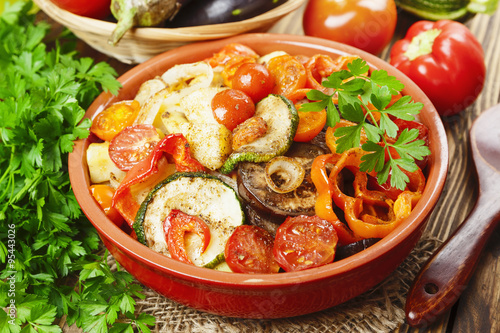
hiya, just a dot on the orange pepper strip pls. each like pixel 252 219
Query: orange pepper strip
pixel 175 145
pixel 323 206
pixel 369 226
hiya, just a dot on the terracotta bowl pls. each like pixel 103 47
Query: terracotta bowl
pixel 262 296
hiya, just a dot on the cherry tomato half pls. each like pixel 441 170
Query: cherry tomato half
pixel 289 74
pixel 254 80
pixel 231 107
pixel 132 145
pixel 176 225
pixel 310 125
pixel 304 242
pixel 249 249
pixel 112 120
pixel 368 25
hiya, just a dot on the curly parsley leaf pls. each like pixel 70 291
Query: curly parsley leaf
pixel 44 92
pixel 365 99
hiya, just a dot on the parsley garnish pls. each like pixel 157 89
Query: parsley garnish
pixel 49 266
pixel 354 89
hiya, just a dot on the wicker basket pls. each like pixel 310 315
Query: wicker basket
pixel 141 44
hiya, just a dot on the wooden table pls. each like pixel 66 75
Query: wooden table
pixel 479 306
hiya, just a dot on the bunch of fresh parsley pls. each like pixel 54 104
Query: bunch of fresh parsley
pixel 49 264
pixel 354 90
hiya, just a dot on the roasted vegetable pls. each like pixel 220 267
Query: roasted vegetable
pixel 144 13
pixel 195 194
pixel 203 12
pixel 253 188
pixel 282 119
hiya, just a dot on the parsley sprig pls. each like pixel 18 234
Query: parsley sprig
pixel 50 267
pixel 354 90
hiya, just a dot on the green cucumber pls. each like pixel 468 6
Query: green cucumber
pixel 447 9
pixel 282 120
pixel 194 193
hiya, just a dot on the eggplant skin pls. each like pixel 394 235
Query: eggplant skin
pixel 348 250
pixel 204 12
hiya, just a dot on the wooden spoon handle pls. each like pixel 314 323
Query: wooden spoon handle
pixel 446 274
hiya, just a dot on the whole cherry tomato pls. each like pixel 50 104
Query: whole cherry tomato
pixel 98 9
pixel 249 249
pixel 366 24
pixel 115 118
pixel 254 80
pixel 445 60
pixel 304 242
pixel 231 107
pixel 132 145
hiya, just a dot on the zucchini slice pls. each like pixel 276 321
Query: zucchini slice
pixel 193 193
pixel 282 120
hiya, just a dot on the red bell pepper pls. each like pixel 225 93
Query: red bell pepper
pixel 176 146
pixel 445 60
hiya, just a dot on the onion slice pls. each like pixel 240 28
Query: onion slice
pixel 284 174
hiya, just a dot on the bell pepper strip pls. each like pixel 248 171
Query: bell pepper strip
pixel 323 206
pixel 366 225
pixel 445 60
pixel 177 147
pixel 370 197
pixel 176 225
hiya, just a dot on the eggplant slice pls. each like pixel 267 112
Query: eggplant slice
pixel 253 188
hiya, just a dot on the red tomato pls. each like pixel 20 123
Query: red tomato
pixel 98 9
pixel 367 25
pixel 250 250
pixel 445 60
pixel 231 66
pixel 231 107
pixel 176 225
pixel 304 242
pixel 115 118
pixel 132 145
pixel 254 80
pixel 289 74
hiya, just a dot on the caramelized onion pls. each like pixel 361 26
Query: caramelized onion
pixel 284 174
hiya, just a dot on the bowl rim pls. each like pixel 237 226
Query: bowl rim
pixel 161 263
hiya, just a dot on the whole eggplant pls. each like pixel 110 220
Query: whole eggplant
pixel 142 13
pixel 204 12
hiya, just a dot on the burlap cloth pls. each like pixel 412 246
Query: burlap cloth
pixel 380 309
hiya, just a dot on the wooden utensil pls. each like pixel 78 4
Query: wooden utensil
pixel 446 274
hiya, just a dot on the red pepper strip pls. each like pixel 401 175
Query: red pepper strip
pixel 176 225
pixel 174 144
pixel 323 206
